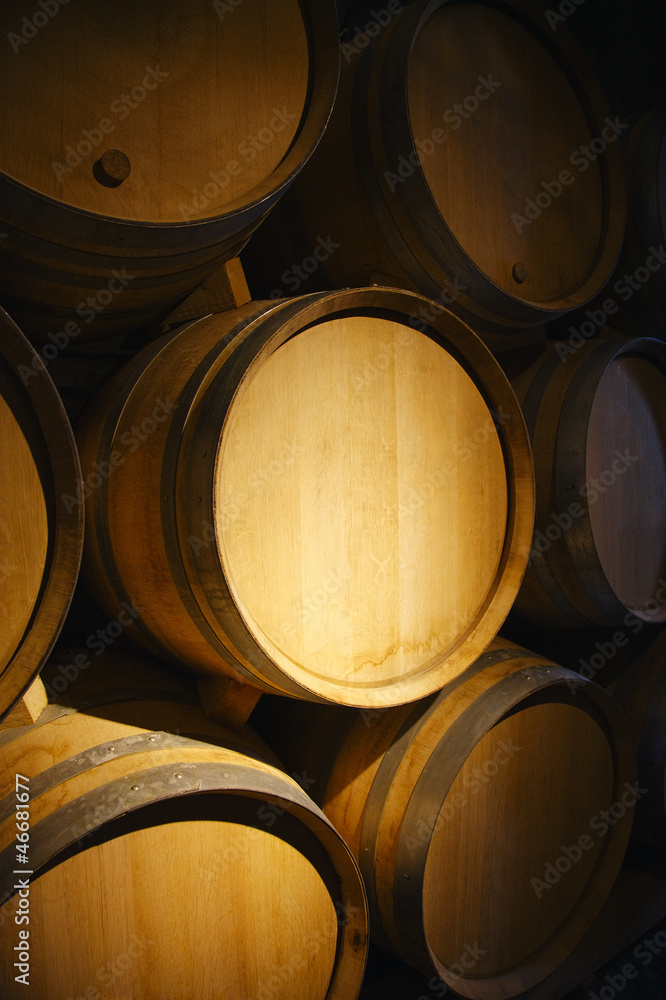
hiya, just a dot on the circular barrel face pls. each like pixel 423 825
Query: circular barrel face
pixel 626 481
pixel 159 111
pixel 361 498
pixel 178 909
pixel 516 847
pixel 24 533
pixel 488 100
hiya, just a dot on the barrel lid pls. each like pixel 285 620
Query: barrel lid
pixel 159 112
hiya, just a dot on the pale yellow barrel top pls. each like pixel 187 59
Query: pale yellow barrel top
pixel 189 94
pixel 517 125
pixel 186 909
pixel 24 533
pixel 361 502
pixel 504 821
pixel 626 481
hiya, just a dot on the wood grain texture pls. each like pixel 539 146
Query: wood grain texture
pixel 300 507
pixel 456 806
pixel 41 518
pixel 596 420
pixel 437 170
pixel 239 884
pixel 210 115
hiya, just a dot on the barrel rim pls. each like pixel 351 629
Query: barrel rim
pixel 63 485
pixel 387 140
pixel 321 26
pixel 466 347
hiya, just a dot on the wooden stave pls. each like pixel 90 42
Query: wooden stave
pixel 183 518
pixel 60 475
pixel 140 695
pixel 41 225
pixel 566 586
pixel 370 749
pixel 429 258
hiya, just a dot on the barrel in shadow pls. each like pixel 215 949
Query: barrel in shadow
pixel 596 415
pixel 466 139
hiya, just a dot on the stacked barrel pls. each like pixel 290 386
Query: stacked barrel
pixel 322 502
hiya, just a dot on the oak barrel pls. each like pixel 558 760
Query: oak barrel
pixel 466 137
pixel 41 534
pixel 596 414
pixel 312 496
pixel 167 133
pixel 167 856
pixel 489 820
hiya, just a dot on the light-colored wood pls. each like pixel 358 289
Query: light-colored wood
pixel 29 708
pixel 461 811
pixel 155 154
pixel 24 532
pixel 225 289
pixel 279 905
pixel 41 531
pixel 437 170
pixel 227 701
pixel 596 420
pixel 357 544
pixel 345 497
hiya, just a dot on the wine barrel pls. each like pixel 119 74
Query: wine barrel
pixel 479 816
pixel 641 691
pixel 312 496
pixel 168 137
pixel 182 862
pixel 596 415
pixel 41 534
pixel 436 172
